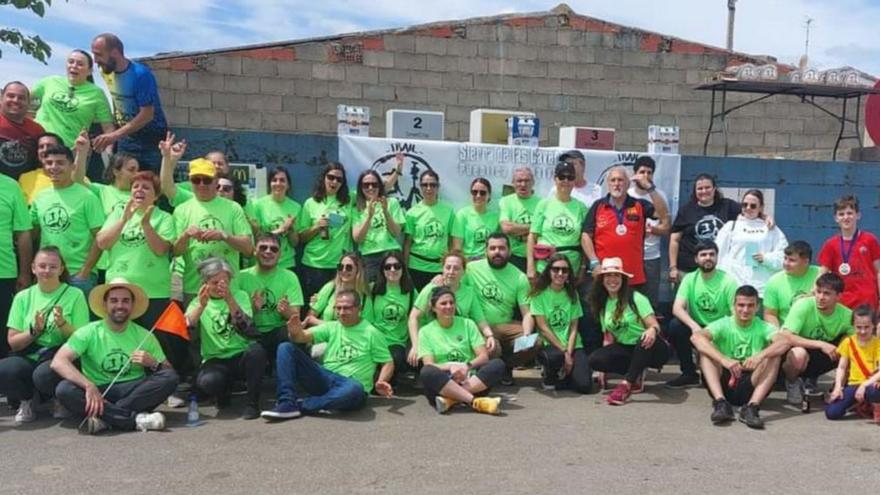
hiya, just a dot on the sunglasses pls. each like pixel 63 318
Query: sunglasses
pixel 567 177
pixel 224 188
pixel 393 266
pixel 559 269
pixel 751 206
pixel 430 185
pixel 479 192
pixel 369 185
pixel 201 181
pixel 344 267
pixel 334 178
pixel 268 247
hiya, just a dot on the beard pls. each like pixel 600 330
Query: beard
pixel 109 66
pixel 119 317
pixel 498 261
pixel 707 267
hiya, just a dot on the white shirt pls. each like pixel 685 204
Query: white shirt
pixel 652 241
pixel 739 240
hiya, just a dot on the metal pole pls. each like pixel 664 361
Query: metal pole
pixel 731 13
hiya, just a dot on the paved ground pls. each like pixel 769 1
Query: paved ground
pixel 662 442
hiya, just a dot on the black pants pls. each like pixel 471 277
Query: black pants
pixel 20 378
pixel 589 327
pixel 679 336
pixel 398 355
pixel 421 279
pixel 215 375
pixel 629 360
pixel 579 379
pixel 7 293
pixel 518 262
pixel 434 379
pixel 270 342
pixel 371 265
pixel 312 279
pixel 124 400
pixel 819 363
pixel 176 348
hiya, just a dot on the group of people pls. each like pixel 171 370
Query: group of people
pixel 349 294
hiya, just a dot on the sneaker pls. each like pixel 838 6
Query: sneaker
pixel 443 404
pixel 748 414
pixel 94 425
pixel 620 394
pixel 281 411
pixel 722 412
pixel 683 381
pixel 507 380
pixel 794 391
pixel 25 413
pixel 548 382
pixel 238 388
pixel 486 405
pixel 59 411
pixel 150 421
pixel 250 412
pixel 175 402
pixel 811 387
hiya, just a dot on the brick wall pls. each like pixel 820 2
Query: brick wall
pixel 569 69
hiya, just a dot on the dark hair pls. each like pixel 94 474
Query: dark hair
pixel 112 41
pixel 799 248
pixel 349 292
pixel 704 245
pixel 90 61
pixel 498 235
pixel 117 161
pixel 320 191
pixel 847 201
pixel 746 291
pixel 238 193
pixel 361 201
pixel 130 293
pixel 148 176
pixel 381 285
pixel 60 149
pixel 266 236
pixel 52 135
pixel 429 172
pixel 831 281
pixel 711 178
pixel 644 161
pixel 436 294
pixel 864 310
pixel 599 297
pixel 545 279
pixel 279 170
pixel 53 250
pixel 484 181
pixel 571 155
pixel 23 85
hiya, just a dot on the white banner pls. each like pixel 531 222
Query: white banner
pixel 458 164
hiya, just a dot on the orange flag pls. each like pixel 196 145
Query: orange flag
pixel 173 321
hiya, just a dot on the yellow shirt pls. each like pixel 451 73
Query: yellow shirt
pixel 33 182
pixel 870 354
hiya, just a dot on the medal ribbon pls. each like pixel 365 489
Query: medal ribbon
pixel 848 252
pixel 620 212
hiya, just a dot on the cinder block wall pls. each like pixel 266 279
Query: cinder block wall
pixel 569 69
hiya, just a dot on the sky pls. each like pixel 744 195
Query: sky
pixel 843 32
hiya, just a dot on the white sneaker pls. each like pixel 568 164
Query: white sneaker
pixel 25 413
pixel 94 425
pixel 150 421
pixel 794 392
pixel 59 411
pixel 175 402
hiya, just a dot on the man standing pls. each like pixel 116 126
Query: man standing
pixel 502 288
pixel 643 169
pixel 209 226
pixel 115 351
pixel 740 360
pixel 704 296
pixel 15 238
pixel 137 111
pixel 794 282
pixel 814 327
pixel 69 215
pixel 354 348
pixel 584 191
pixel 516 214
pixel 18 132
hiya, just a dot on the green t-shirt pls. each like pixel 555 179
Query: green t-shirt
pixel 112 199
pixel 500 291
pixel 217 214
pixel 804 319
pixel 429 228
pixel 13 218
pixel 378 238
pixel 325 253
pixel 276 285
pixel 629 329
pixel 740 343
pixel 66 110
pixel 514 209
pixel 28 302
pixel 388 312
pixel 474 229
pixel 466 304
pixel 558 224
pixel 558 311
pixel 183 193
pixel 219 337
pixel 270 215
pixel 708 300
pixel 131 258
pixel 455 344
pixel 103 352
pixel 66 218
pixel 352 351
pixel 782 290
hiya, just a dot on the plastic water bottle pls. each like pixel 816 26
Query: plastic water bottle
pixel 192 414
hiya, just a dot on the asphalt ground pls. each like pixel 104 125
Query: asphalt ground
pixel 545 442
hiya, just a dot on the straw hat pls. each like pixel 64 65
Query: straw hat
pixel 96 298
pixel 613 265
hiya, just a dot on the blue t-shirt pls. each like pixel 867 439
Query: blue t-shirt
pixel 130 90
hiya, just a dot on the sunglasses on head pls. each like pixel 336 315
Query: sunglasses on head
pixel 479 192
pixel 567 177
pixel 559 269
pixel 393 266
pixel 345 267
pixel 334 178
pixel 268 247
pixel 201 181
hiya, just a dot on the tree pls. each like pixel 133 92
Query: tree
pixel 30 45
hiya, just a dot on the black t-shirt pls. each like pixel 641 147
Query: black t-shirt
pixel 700 223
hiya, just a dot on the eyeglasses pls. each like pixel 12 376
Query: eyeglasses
pixel 268 247
pixel 369 185
pixel 479 192
pixel 201 181
pixel 430 185
pixel 345 267
pixel 224 188
pixel 393 266
pixel 750 206
pixel 559 269
pixel 334 178
pixel 567 177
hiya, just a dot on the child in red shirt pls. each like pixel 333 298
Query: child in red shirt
pixel 854 255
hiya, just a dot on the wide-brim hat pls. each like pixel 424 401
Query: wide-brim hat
pixel 96 297
pixel 613 265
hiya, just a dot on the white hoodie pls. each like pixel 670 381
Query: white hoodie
pixel 738 240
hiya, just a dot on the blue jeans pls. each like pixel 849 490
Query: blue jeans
pixel 327 390
pixel 84 284
pixel 838 408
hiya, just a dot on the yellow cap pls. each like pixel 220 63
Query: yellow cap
pixel 200 166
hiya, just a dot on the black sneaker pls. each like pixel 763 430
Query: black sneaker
pixel 748 414
pixel 683 381
pixel 250 412
pixel 507 381
pixel 722 412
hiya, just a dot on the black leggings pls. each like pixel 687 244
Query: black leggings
pixel 434 379
pixel 420 279
pixel 629 360
pixel 216 374
pixel 579 379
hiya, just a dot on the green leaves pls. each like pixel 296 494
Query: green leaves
pixel 31 45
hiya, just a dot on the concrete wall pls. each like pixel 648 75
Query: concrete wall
pixel 569 69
